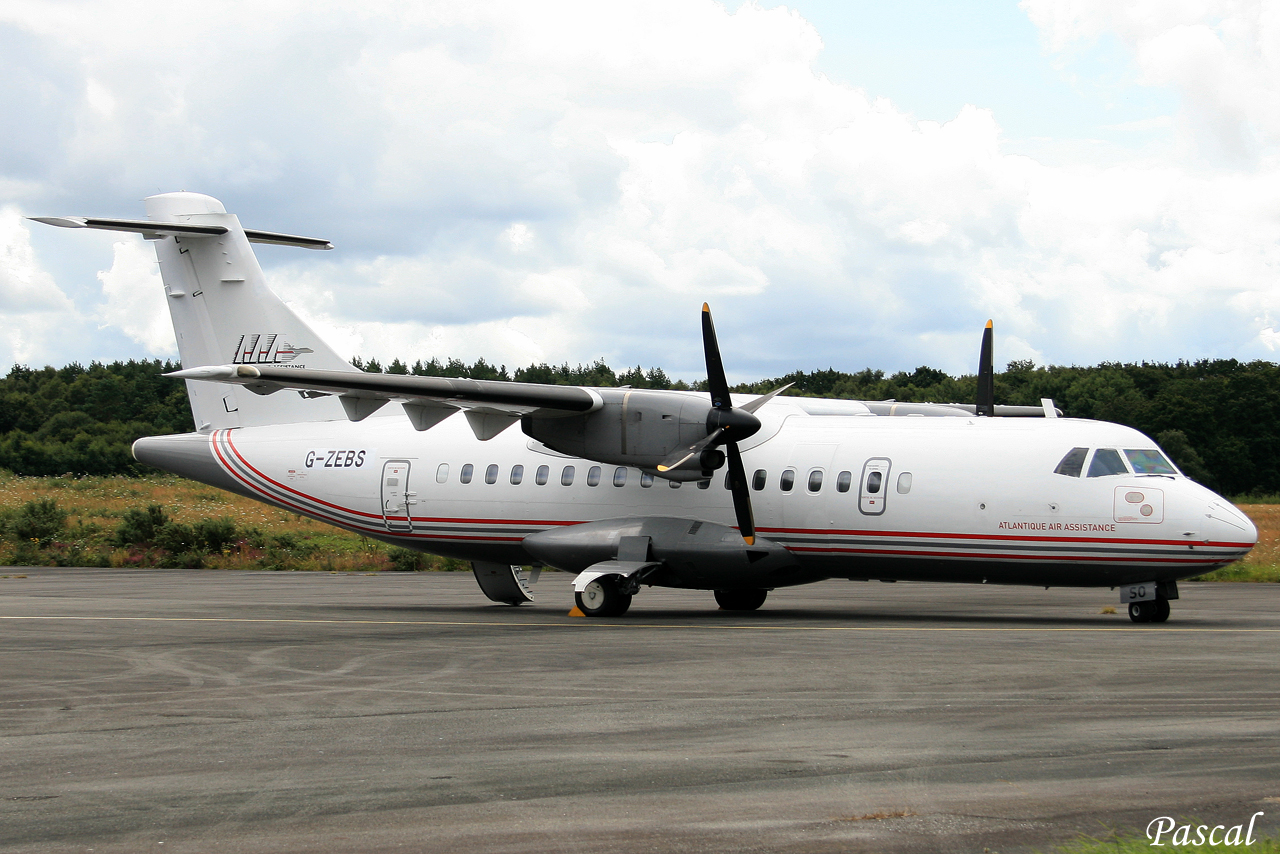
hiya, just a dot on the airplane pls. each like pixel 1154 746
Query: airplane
pixel 622 486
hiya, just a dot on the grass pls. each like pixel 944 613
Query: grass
pixel 268 538
pixel 279 539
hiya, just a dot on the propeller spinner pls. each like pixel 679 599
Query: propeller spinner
pixel 727 425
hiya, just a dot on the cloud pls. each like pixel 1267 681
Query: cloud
pixel 1221 56
pixel 566 181
pixel 134 302
pixel 33 307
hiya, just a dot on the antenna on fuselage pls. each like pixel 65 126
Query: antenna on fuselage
pixel 986 402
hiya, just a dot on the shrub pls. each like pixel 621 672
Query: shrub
pixel 214 535
pixel 175 538
pixel 139 527
pixel 406 560
pixel 41 520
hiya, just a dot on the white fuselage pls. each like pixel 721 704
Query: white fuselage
pixel 959 499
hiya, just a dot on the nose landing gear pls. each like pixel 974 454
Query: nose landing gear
pixel 1156 611
pixel 1148 602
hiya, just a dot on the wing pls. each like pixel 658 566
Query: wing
pixel 491 406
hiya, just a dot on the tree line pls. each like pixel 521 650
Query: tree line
pixel 1219 419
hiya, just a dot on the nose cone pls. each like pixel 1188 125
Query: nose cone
pixel 1226 524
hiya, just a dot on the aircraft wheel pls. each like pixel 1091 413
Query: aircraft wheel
pixel 739 599
pixel 1142 612
pixel 602 597
pixel 1161 614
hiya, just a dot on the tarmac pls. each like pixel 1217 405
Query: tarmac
pixel 200 710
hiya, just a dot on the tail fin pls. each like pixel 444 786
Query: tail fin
pixel 224 313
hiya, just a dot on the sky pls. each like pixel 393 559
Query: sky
pixel 848 184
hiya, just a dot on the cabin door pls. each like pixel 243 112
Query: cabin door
pixel 874 487
pixel 396 497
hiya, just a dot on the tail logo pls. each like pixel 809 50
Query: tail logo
pixel 270 349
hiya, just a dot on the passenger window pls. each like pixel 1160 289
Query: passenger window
pixel 1106 462
pixel 1149 462
pixel 1073 463
pixel 874 480
pixel 904 483
pixel 593 476
pixel 467 471
pixel 815 480
pixel 646 480
pixel 491 474
pixel 787 480
pixel 704 484
pixel 620 476
pixel 758 479
pixel 566 476
pixel 517 475
pixel 442 473
pixel 843 481
pixel 541 477
pixel 674 484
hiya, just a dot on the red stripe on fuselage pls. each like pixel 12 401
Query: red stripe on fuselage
pixel 794 548
pixel 1003 537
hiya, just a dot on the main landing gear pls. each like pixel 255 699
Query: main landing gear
pixel 1149 612
pixel 738 599
pixel 603 597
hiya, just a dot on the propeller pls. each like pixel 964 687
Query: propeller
pixel 986 403
pixel 727 425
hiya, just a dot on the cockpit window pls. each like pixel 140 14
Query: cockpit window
pixel 1106 461
pixel 1073 463
pixel 1149 462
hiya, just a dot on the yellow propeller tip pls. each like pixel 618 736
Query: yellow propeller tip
pixel 988 324
pixel 751 541
pixel 706 307
pixel 662 468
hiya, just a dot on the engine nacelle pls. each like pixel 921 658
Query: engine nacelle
pixel 634 427
pixel 696 554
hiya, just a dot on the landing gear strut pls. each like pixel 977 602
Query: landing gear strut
pixel 603 597
pixel 1156 611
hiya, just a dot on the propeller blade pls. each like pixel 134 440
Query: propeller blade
pixel 716 383
pixel 724 419
pixel 688 452
pixel 741 494
pixel 757 402
pixel 986 404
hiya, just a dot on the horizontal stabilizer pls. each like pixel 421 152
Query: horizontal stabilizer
pixel 155 230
